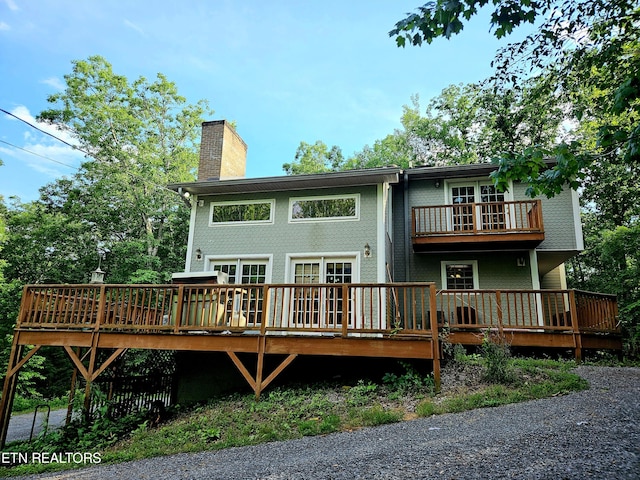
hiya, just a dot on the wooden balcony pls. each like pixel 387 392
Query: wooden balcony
pixel 391 320
pixel 478 225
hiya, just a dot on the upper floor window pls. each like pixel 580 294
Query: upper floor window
pixel 225 213
pixel 460 275
pixel 334 207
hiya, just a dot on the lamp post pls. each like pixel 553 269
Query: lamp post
pixel 97 276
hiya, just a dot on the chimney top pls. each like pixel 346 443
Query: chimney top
pixel 223 153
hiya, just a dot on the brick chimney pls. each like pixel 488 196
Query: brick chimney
pixel 223 154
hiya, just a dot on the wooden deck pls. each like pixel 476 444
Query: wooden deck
pixel 484 225
pixel 360 320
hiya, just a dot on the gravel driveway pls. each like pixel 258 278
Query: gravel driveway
pixel 591 434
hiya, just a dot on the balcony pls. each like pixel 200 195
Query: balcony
pixel 481 226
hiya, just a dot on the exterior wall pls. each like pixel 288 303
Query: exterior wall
pixel 494 272
pixel 282 238
pixel 562 232
pixel 555 280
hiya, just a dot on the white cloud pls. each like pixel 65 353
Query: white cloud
pixel 54 82
pixel 135 27
pixel 4 26
pixel 23 113
pixel 11 5
pixel 43 153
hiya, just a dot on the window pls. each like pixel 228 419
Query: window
pixel 225 213
pixel 460 275
pixel 324 208
pixel 245 271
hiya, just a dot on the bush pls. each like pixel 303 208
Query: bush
pixel 496 354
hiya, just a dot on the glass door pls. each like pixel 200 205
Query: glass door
pixel 478 207
pixel 316 306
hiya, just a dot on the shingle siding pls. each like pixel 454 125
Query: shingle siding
pixel 558 216
pixel 282 237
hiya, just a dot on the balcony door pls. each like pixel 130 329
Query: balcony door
pixel 321 306
pixel 477 206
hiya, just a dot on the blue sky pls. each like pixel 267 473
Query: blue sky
pixel 285 71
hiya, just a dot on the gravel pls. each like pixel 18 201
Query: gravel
pixel 590 434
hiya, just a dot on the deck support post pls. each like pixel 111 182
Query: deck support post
pixel 261 347
pixel 577 336
pixel 435 337
pixel 89 373
pixel 258 384
pixel 9 389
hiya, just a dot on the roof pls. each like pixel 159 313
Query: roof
pixel 348 178
pixel 451 171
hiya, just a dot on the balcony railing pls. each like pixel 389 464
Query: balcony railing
pixel 492 221
pixel 333 309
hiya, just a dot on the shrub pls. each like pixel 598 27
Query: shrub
pixel 496 354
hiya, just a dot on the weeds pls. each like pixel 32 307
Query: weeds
pixel 410 382
pixel 294 412
pixel 496 354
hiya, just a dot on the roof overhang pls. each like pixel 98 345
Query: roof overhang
pixel 349 178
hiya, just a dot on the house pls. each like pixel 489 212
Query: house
pixel 377 263
pixel 446 225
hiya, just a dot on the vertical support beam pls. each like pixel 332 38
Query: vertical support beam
pixel 94 351
pixel 346 307
pixel 499 311
pixel 9 388
pixel 177 321
pixel 262 340
pixel 72 389
pixel 435 339
pixel 577 336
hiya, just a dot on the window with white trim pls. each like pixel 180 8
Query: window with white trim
pixel 242 212
pixel 460 275
pixel 327 208
pixel 245 271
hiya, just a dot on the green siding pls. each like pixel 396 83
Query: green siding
pixel 495 271
pixel 282 238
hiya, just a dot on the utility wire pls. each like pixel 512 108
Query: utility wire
pixel 38 155
pixel 140 177
pixel 75 147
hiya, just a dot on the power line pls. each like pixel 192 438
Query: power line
pixel 38 155
pixel 135 175
pixel 75 147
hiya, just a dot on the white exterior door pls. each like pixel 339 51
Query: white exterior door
pixel 320 306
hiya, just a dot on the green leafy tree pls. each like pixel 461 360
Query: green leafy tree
pixel 394 149
pixel 579 49
pixel 140 136
pixel 316 158
pixel 466 124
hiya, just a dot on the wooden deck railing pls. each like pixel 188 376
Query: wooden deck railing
pixel 335 309
pixel 341 309
pixel 597 312
pixel 478 218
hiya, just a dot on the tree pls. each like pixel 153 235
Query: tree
pixel 316 158
pixel 466 124
pixel 139 136
pixel 582 50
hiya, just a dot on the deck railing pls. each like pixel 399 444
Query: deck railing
pixel 517 309
pixel 478 218
pixel 597 312
pixel 342 309
pixel 334 309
